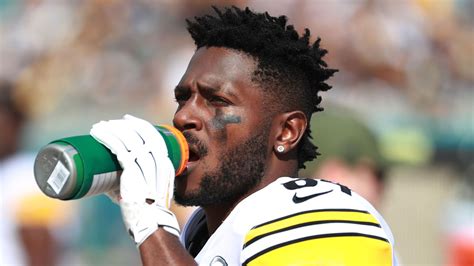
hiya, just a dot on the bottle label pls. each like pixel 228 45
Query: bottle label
pixel 103 182
pixel 58 177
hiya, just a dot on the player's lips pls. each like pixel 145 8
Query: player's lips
pixel 197 150
pixel 193 157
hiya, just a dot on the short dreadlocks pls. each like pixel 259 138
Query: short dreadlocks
pixel 289 68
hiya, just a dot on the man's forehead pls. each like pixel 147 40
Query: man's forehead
pixel 218 64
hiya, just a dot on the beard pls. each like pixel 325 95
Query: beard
pixel 240 170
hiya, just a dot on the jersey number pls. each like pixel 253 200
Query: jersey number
pixel 308 182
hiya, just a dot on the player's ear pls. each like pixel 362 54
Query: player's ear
pixel 290 130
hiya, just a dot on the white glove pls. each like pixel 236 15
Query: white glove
pixel 147 180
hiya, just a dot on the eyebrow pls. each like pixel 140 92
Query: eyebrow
pixel 207 89
pixel 204 89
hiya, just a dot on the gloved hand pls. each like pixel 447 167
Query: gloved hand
pixel 147 180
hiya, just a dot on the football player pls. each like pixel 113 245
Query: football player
pixel 244 106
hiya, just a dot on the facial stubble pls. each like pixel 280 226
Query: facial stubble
pixel 240 170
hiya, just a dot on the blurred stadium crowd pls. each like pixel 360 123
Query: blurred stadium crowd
pixel 406 73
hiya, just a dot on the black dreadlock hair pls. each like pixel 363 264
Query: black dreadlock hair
pixel 288 66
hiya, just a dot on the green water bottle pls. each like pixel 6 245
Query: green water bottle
pixel 76 167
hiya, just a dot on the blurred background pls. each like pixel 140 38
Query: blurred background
pixel 398 126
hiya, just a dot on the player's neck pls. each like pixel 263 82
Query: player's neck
pixel 216 214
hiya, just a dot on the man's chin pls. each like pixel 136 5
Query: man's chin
pixel 185 189
pixel 185 200
pixel 180 190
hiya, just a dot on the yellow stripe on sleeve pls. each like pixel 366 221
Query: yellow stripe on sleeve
pixel 342 250
pixel 310 217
